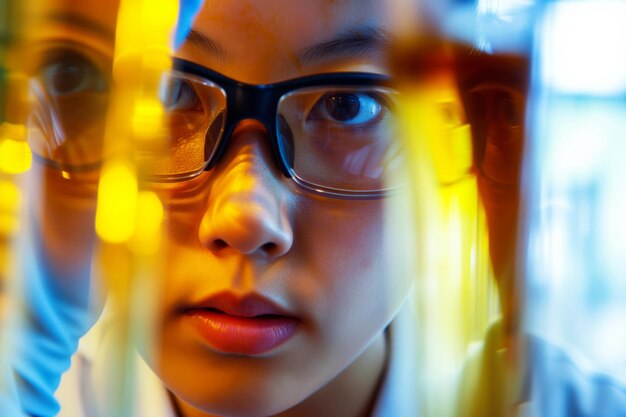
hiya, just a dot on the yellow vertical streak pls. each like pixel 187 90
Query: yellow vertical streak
pixel 454 292
pixel 129 217
pixel 15 154
pixel 10 206
pixel 15 161
pixel 148 225
pixel 117 199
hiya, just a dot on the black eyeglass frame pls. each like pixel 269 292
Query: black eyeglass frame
pixel 260 102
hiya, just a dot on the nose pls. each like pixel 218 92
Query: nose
pixel 247 209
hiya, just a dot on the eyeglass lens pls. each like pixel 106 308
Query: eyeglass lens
pixel 336 137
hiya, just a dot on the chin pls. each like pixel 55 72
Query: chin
pixel 230 386
pixel 237 403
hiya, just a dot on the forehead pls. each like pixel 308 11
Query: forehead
pixel 102 12
pixel 89 22
pixel 262 41
pixel 282 17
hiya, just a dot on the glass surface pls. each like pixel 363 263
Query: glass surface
pixel 195 114
pixel 341 138
pixel 68 123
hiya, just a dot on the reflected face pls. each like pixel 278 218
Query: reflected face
pixel 494 90
pixel 304 278
pixel 69 58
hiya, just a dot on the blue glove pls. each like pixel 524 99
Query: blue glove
pixel 56 316
pixel 9 403
pixel 186 15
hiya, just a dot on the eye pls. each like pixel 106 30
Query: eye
pixel 67 72
pixel 179 95
pixel 347 108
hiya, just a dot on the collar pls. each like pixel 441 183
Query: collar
pixel 398 395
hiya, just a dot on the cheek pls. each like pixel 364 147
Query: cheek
pixel 356 273
pixel 341 239
pixel 185 203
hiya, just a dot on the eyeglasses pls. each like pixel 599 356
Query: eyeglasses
pixel 334 134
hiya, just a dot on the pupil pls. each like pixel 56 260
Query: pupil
pixel 68 78
pixel 343 107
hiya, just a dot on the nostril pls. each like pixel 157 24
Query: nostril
pixel 219 244
pixel 269 247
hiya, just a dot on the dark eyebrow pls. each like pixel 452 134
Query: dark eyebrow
pixel 206 44
pixel 355 42
pixel 82 22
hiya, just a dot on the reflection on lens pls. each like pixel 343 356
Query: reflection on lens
pixel 195 110
pixel 213 134
pixel 68 121
pixel 341 139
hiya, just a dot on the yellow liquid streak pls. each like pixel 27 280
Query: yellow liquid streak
pixel 117 201
pixel 15 154
pixel 128 217
pixel 455 293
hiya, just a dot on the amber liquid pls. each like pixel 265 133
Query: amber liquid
pixel 492 87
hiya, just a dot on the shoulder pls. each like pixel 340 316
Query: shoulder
pixel 559 382
pixel 551 383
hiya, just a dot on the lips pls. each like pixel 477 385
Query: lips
pixel 249 325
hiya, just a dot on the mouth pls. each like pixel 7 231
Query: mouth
pixel 249 325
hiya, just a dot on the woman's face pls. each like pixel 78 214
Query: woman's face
pixel 243 229
pixel 271 292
